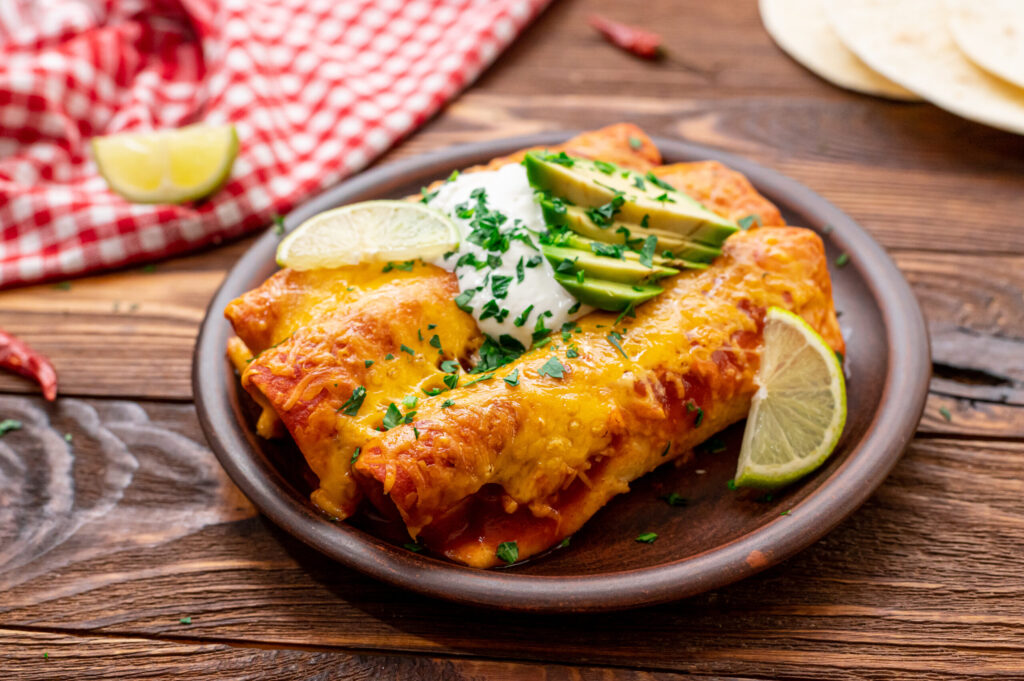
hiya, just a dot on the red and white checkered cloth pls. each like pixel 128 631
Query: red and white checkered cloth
pixel 316 89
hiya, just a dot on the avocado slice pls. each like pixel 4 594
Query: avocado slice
pixel 575 218
pixel 596 184
pixel 604 267
pixel 607 295
pixel 584 244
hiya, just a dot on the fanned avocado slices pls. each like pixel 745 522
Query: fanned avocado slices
pixel 607 192
pixel 557 214
pixel 568 261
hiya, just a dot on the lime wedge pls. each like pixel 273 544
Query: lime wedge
pixel 371 231
pixel 799 410
pixel 167 166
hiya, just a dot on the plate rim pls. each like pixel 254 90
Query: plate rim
pixel 865 468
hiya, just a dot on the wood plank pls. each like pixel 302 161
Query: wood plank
pixel 43 656
pixel 132 334
pixel 133 525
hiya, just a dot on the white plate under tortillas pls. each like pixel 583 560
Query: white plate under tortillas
pixel 800 28
pixel 991 34
pixel 909 42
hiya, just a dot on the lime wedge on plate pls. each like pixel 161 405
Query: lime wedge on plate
pixel 371 231
pixel 167 166
pixel 799 410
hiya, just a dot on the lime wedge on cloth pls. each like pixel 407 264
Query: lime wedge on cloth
pixel 167 166
pixel 371 231
pixel 799 410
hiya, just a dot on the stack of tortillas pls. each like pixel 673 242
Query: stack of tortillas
pixel 966 56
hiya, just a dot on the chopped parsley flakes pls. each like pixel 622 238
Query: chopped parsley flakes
pixel 647 537
pixel 513 378
pixel 508 551
pixel 353 403
pixel 553 368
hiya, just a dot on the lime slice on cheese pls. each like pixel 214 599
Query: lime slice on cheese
pixel 799 410
pixel 167 166
pixel 371 231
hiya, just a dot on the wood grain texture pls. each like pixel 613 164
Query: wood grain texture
pixel 106 541
pixel 44 656
pixel 142 528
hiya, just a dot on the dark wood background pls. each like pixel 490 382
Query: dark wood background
pixel 109 540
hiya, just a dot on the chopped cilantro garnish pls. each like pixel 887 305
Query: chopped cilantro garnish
pixel 731 483
pixel 942 410
pixel 635 142
pixel 842 260
pixel 389 356
pixel 279 225
pixel 392 417
pixel 534 261
pixel 647 537
pixel 639 183
pixel 561 158
pixel 645 221
pixel 647 252
pixel 658 182
pixel 691 406
pixel 664 198
pixel 572 352
pixel 368 363
pixel 714 446
pixel 447 403
pixel 673 499
pixel 492 309
pixel 355 455
pixel 668 446
pixel 523 316
pixel 419 334
pixel 435 341
pixel 513 378
pixel 409 401
pixel 567 266
pixel 431 327
pixel 67 437
pixel 616 339
pixel 553 368
pixel 412 546
pixel 499 285
pixel 451 380
pixel 629 311
pixel 432 391
pixel 454 176
pixel 700 417
pixel 747 221
pixel 603 215
pixel 564 543
pixel 580 276
pixel 354 402
pixel 450 366
pixel 605 167
pixel 7 425
pixel 608 250
pixel 508 551
pixel 494 354
pixel 485 377
pixel 427 197
pixel 416 432
pixel 185 620
pixel 576 307
pixel 462 300
pixel 520 270
pixel 406 348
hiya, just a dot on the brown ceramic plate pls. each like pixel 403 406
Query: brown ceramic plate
pixel 721 536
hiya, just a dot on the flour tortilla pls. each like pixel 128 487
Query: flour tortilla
pixel 800 28
pixel 991 34
pixel 909 42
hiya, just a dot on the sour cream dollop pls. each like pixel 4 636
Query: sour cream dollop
pixel 504 280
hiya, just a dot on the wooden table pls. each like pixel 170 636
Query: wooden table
pixel 111 540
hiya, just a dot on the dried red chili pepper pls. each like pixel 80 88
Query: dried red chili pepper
pixel 636 41
pixel 21 359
